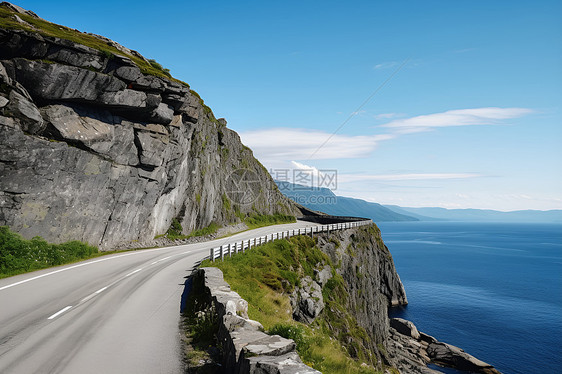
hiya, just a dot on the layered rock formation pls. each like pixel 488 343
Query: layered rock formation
pixel 94 149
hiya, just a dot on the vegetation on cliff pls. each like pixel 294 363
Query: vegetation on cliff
pixel 32 23
pixel 18 255
pixel 266 275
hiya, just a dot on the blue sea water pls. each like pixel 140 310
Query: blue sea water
pixel 493 289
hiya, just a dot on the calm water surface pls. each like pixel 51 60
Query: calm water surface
pixel 493 289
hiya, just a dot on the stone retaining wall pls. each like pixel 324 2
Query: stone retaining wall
pixel 245 347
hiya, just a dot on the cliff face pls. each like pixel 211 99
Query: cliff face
pixel 372 286
pixel 94 149
pixel 371 280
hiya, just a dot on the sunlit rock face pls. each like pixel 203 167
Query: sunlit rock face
pixel 92 149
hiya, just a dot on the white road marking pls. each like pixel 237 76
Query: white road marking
pixel 60 312
pixel 101 290
pixel 119 256
pixel 162 259
pixel 133 272
pixel 80 265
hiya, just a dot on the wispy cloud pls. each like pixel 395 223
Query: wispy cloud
pixel 459 117
pixel 299 144
pixel 406 176
pixel 387 115
pixel 386 65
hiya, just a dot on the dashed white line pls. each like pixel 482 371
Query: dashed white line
pixel 101 290
pixel 162 259
pixel 60 312
pixel 133 272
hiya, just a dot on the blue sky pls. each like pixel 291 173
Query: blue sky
pixel 471 115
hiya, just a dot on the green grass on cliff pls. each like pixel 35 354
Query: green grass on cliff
pixel 18 255
pixel 45 28
pixel 265 276
pixel 255 221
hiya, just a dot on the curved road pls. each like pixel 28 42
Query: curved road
pixel 117 314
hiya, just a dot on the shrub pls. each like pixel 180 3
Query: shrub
pixel 292 331
pixel 19 255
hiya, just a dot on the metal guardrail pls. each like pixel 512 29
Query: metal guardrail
pixel 236 247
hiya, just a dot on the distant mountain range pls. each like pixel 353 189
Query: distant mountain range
pixel 482 215
pixel 324 200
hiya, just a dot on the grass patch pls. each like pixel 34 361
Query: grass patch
pixel 46 28
pixel 255 221
pixel 265 275
pixel 175 231
pixel 19 255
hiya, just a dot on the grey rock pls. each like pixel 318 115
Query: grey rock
pixel 70 126
pixel 245 347
pixel 405 327
pixel 451 356
pixel 152 148
pixel 128 73
pixel 322 276
pixel 269 345
pixel 75 56
pixel 26 112
pixel 46 81
pixel 124 99
pixel 18 9
pixel 307 300
pixel 162 114
pixel 99 157
pixel 289 363
pixel 149 83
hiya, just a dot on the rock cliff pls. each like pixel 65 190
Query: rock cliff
pixel 372 286
pixel 99 144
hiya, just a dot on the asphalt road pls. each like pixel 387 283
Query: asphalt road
pixel 117 314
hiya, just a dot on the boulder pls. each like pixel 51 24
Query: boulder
pixel 128 73
pixel 322 276
pixel 405 327
pixel 26 112
pixel 289 363
pixel 162 114
pixel 307 301
pixel 451 356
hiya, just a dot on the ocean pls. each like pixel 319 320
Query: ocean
pixel 492 289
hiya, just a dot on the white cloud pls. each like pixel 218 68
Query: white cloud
pixel 284 144
pixel 460 117
pixel 301 144
pixel 387 115
pixel 347 178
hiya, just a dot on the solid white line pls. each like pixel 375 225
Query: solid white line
pixel 133 272
pixel 65 269
pixel 60 312
pixel 212 242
